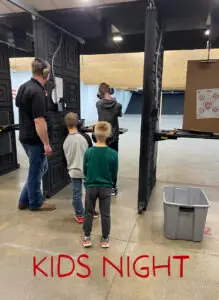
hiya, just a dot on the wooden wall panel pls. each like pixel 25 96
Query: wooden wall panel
pixel 125 70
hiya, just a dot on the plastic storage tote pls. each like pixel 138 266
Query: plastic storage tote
pixel 185 212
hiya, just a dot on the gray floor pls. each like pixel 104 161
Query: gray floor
pixel 26 234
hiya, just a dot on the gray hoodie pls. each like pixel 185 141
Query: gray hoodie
pixel 109 111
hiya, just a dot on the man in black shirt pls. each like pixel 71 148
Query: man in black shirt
pixel 109 110
pixel 33 135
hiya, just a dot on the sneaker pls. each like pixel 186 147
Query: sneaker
pixel 105 243
pixel 114 192
pixel 86 241
pixel 96 215
pixel 79 220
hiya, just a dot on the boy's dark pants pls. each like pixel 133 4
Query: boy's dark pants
pixel 104 195
pixel 115 146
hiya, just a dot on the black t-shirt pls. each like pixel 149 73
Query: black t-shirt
pixel 87 138
pixel 30 100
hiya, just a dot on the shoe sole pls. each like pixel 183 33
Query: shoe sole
pixel 47 209
pixel 114 194
pixel 86 245
pixel 79 222
pixel 104 246
pixel 22 208
pixel 44 209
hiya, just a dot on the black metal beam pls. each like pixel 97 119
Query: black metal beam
pixel 36 14
pixel 164 135
pixel 215 24
pixel 146 140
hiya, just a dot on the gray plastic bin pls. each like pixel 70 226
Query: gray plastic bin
pixel 185 212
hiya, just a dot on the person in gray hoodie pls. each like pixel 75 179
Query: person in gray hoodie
pixel 110 110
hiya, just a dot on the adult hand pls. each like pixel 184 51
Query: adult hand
pixel 47 150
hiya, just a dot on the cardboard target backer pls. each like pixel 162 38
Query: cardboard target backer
pixel 201 105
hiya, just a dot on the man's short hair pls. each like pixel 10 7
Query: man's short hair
pixel 102 130
pixel 71 120
pixel 38 66
pixel 103 88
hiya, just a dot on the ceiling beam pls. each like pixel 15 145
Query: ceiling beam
pixel 36 14
pixel 182 24
pixel 15 38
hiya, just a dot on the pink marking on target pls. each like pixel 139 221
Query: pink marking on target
pixel 215 109
pixel 201 110
pixel 208 104
pixel 201 97
pixel 215 96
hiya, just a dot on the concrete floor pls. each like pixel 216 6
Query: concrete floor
pixel 25 234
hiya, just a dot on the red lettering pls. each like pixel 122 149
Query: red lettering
pixel 36 266
pixel 106 260
pixel 161 266
pixel 63 256
pixel 128 266
pixel 142 268
pixel 52 266
pixel 84 266
pixel 181 258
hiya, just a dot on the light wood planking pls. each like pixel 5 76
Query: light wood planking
pixel 126 70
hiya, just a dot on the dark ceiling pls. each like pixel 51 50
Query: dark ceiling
pixel 184 21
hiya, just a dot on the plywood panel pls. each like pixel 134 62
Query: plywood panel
pixel 6 7
pixel 126 70
pixel 21 64
pixel 175 66
pixel 79 3
pixel 201 76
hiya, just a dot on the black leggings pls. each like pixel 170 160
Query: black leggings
pixel 115 146
pixel 104 195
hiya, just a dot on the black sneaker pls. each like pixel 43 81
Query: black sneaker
pixel 105 243
pixel 114 191
pixel 86 241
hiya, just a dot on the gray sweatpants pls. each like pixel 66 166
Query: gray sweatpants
pixel 104 195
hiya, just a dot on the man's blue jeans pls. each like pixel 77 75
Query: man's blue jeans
pixel 77 196
pixel 31 195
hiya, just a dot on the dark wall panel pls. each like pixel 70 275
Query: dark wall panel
pixel 8 153
pixel 135 103
pixel 67 66
pixel 173 104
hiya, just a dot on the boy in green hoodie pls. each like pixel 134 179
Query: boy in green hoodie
pixel 110 110
pixel 100 170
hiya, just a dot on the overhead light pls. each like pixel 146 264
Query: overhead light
pixel 117 38
pixel 207 32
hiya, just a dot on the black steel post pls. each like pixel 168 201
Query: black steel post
pixel 148 122
pixel 8 150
